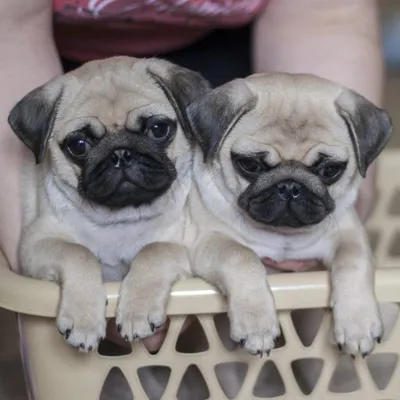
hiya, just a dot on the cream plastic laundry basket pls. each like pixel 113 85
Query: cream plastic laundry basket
pixel 59 372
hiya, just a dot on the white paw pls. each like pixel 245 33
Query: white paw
pixel 81 317
pixel 140 311
pixel 254 322
pixel 357 324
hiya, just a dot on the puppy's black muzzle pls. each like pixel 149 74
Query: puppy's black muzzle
pixel 288 203
pixel 126 170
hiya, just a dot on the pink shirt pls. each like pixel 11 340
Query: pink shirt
pixel 88 29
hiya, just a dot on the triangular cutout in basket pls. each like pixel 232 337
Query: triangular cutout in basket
pixel 154 380
pixel 116 386
pixel 307 323
pixel 193 386
pixel 269 382
pixel 192 338
pixel 381 367
pixel 307 372
pixel 238 370
pixel 344 378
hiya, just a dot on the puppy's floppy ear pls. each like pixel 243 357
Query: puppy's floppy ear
pixel 214 115
pixel 370 127
pixel 180 85
pixel 32 118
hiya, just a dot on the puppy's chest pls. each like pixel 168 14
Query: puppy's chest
pixel 117 244
pixel 281 248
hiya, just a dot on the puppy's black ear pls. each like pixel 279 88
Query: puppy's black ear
pixel 32 118
pixel 370 127
pixel 180 85
pixel 214 115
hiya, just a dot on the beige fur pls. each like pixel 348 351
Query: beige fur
pixel 77 243
pixel 291 118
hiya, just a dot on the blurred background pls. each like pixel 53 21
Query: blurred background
pixel 11 376
pixel 390 15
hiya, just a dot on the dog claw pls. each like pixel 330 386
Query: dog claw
pixel 268 352
pixel 242 343
pixel 119 328
pixel 378 340
pixel 152 327
pixel 135 336
pixel 339 346
pixel 126 338
pixel 67 333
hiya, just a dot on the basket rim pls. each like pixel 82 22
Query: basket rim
pixel 192 296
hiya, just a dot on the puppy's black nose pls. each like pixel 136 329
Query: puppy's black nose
pixel 122 158
pixel 289 189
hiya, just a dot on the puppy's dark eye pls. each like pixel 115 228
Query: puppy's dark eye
pixel 159 131
pixel 249 166
pixel 78 147
pixel 331 173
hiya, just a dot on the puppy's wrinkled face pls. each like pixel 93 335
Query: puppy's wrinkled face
pixel 120 137
pixel 291 160
pixel 290 151
pixel 113 129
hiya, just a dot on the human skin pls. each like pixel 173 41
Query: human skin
pixel 338 40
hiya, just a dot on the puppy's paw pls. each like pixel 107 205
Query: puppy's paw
pixel 357 324
pixel 81 317
pixel 254 323
pixel 140 312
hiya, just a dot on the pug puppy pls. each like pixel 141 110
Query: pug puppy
pixel 112 175
pixel 278 165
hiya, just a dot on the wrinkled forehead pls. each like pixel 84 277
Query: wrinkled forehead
pixel 114 99
pixel 292 128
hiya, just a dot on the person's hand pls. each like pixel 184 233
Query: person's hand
pixel 152 343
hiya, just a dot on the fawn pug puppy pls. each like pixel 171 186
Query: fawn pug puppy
pixel 112 175
pixel 278 165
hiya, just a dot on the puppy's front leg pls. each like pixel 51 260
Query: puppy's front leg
pixel 239 274
pixel 356 318
pixel 146 289
pixel 81 315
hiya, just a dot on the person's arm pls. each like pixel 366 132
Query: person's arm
pixel 28 58
pixel 338 40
